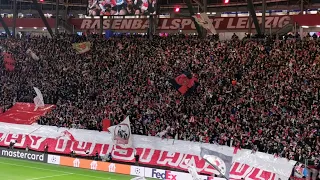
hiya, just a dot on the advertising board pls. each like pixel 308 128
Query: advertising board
pixel 22 154
pixel 122 169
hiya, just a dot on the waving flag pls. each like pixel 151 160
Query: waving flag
pixel 185 83
pixel 38 100
pixel 192 170
pixel 204 21
pixel 9 61
pixel 121 133
pixel 300 171
pixel 32 55
pixel 219 161
pixel 82 47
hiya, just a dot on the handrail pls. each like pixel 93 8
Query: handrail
pixel 67 26
pixel 284 28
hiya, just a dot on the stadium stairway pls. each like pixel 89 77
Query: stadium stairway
pixel 284 30
pixel 67 26
pixel 24 113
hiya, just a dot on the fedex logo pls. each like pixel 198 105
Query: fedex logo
pixel 165 175
pixel 170 176
pixel 156 173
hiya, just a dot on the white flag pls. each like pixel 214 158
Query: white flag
pixel 192 170
pixel 38 100
pixel 32 54
pixel 204 21
pixel 121 133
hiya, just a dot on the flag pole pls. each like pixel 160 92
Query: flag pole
pixel 217 168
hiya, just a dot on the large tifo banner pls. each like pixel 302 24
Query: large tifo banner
pixel 152 150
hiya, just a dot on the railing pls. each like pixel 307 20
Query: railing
pixel 284 30
pixel 68 27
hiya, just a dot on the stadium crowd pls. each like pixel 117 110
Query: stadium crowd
pixel 260 95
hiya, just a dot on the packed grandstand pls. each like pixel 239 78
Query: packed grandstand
pixel 252 94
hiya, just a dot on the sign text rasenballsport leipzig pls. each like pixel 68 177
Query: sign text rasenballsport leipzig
pixel 164 24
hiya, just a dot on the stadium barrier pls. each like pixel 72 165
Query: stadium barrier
pixel 152 150
pixel 122 168
pixel 22 154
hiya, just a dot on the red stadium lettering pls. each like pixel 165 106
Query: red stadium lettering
pixel 14 137
pixel 175 24
pixel 186 23
pixel 231 24
pixel 116 23
pixel 34 142
pixel 146 154
pixel 123 153
pixel 62 145
pixel 86 24
pixel 239 171
pixel 2 138
pixel 95 24
pixel 170 158
pixel 126 24
pixel 219 23
pixel 102 149
pixel 269 21
pixel 81 147
pixel 283 21
pixel 258 174
pixel 163 25
pixel 242 23
pixel 137 24
pixel 198 162
pixel 106 24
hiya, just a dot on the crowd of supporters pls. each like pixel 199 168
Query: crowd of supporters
pixel 260 95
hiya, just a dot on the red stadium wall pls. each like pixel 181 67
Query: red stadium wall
pixel 222 24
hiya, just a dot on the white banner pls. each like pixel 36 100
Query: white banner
pixel 121 133
pixel 152 149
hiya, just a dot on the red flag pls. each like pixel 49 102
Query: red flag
pixel 106 123
pixel 236 148
pixel 9 61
